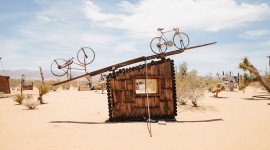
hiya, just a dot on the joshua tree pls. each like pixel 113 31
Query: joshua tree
pixel 43 89
pixel 217 88
pixel 255 76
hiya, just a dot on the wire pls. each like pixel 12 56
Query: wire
pixel 148 107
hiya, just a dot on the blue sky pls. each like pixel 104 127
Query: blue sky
pixel 35 32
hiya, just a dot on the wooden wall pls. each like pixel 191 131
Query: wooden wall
pixel 4 84
pixel 28 86
pixel 125 104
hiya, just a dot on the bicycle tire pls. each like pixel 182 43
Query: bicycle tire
pixel 56 69
pixel 86 55
pixel 181 40
pixel 158 45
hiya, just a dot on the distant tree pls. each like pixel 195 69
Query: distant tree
pixel 254 74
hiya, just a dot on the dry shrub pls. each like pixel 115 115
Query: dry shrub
pixel 19 98
pixel 189 86
pixel 2 95
pixel 66 86
pixel 43 89
pixel 30 103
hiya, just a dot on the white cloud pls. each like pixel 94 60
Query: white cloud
pixel 253 34
pixel 60 28
pixel 147 15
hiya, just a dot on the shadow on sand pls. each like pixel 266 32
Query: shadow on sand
pixel 190 121
pixel 258 97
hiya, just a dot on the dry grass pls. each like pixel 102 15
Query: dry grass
pixel 30 103
pixel 19 98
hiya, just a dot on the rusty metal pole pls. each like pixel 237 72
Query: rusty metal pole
pixel 41 73
pixel 22 82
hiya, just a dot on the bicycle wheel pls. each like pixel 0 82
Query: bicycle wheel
pixel 158 45
pixel 181 40
pixel 86 55
pixel 57 69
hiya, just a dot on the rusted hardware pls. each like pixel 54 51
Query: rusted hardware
pixel 161 43
pixel 132 61
pixel 61 67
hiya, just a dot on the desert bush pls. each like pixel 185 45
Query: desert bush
pixel 14 82
pixel 19 98
pixel 189 86
pixel 29 102
pixel 66 86
pixel 2 94
pixel 43 89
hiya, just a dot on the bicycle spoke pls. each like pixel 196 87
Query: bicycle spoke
pixel 181 40
pixel 85 56
pixel 56 67
pixel 158 45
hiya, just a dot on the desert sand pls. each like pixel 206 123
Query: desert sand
pixel 74 119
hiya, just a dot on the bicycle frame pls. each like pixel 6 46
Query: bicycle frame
pixel 61 67
pixel 169 43
pixel 68 66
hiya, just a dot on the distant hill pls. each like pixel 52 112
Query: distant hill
pixel 34 74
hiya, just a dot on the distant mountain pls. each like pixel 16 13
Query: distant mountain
pixel 33 74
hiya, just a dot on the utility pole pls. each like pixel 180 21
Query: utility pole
pixel 41 73
pixel 2 66
pixel 269 60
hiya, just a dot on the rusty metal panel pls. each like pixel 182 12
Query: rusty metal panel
pixel 4 84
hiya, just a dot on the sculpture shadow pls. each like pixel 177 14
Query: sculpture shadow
pixel 84 122
pixel 258 97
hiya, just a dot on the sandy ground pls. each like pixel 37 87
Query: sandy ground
pixel 76 120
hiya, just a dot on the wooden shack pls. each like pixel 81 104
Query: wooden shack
pixel 130 89
pixel 4 84
pixel 28 86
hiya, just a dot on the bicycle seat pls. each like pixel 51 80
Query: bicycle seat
pixel 160 29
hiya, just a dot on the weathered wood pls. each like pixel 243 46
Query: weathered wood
pixel 4 84
pixel 132 61
pixel 129 105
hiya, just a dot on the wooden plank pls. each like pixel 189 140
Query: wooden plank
pixel 109 68
pixel 132 61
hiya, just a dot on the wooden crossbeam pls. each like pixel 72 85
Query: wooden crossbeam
pixel 132 61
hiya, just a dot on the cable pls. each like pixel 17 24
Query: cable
pixel 148 107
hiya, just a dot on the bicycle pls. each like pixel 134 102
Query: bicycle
pixel 160 44
pixel 61 67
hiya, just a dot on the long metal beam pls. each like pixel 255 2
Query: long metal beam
pixel 132 61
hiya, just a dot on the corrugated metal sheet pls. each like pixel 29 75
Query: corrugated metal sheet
pixel 4 84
